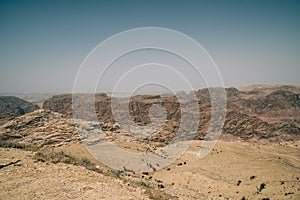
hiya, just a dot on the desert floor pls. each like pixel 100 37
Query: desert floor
pixel 233 170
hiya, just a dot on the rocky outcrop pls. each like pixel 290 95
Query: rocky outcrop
pixel 39 129
pixel 246 127
pixel 272 115
pixel 272 106
pixel 59 103
pixel 63 104
pixel 11 107
pixel 250 113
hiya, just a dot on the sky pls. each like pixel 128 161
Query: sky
pixel 43 43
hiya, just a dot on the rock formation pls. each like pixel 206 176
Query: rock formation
pixel 11 107
pixel 257 113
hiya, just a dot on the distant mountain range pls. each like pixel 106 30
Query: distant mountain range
pixel 253 113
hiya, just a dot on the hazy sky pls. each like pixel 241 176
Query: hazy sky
pixel 43 43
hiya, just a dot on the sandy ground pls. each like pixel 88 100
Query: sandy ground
pixel 36 180
pixel 225 173
pixel 233 170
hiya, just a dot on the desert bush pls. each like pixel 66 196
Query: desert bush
pixel 116 173
pixel 55 157
pixel 62 157
pixel 239 183
pixel 7 144
pixel 261 187
pixel 142 183
pixel 87 163
pixel 16 145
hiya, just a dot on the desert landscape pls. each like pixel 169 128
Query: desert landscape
pixel 46 152
pixel 158 100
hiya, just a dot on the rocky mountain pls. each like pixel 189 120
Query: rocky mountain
pixel 263 113
pixel 11 107
pixel 282 104
pixel 268 114
pixel 63 104
pixel 251 127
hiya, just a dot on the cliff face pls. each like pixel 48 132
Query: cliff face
pixel 268 113
pixel 11 107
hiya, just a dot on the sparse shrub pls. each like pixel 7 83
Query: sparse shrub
pixel 39 157
pixel 62 157
pixel 117 173
pixel 261 187
pixel 243 198
pixel 288 193
pixel 239 183
pixel 10 144
pixel 87 163
pixel 55 157
pixel 252 177
pixel 7 144
pixel 142 183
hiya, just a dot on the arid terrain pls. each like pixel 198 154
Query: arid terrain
pixel 45 152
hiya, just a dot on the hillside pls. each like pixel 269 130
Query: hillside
pixel 256 158
pixel 29 179
pixel 11 107
pixel 264 113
